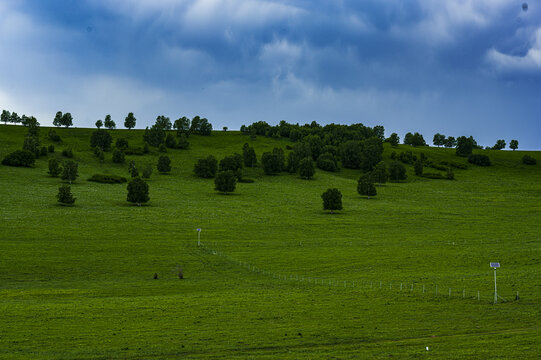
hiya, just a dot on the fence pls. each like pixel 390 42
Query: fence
pixel 411 286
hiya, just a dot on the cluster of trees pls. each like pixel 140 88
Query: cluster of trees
pixel 14 118
pixel 65 120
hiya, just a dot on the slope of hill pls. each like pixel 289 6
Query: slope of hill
pixel 277 276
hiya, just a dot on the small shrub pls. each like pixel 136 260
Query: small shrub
pixel 50 149
pixel 366 187
pixel 164 164
pixel 440 166
pixel 225 181
pixel 132 169
pixel 529 160
pixel 170 141
pixel 332 200
pixel 53 136
pixel 122 144
pixel 183 142
pixel 138 191
pixel 327 162
pixel 20 158
pixel 162 148
pixel 43 151
pixel 147 171
pixel 67 153
pixel 64 195
pixel 107 179
pixel 118 156
pixel 54 168
pixel 479 159
pixel 206 168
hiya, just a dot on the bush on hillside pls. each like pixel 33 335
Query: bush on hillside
pixel 67 153
pixel 107 179
pixel 397 171
pixel 206 168
pixel 118 156
pixel 479 159
pixel 528 160
pixel 19 158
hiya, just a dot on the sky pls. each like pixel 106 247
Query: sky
pixel 462 67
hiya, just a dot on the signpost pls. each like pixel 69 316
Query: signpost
pixel 198 236
pixel 495 266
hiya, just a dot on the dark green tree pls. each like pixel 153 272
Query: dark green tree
pixel 248 155
pixel 205 127
pixel 164 164
pixel 154 136
pixel 6 117
pixel 122 144
pixel 225 181
pixel 464 146
pixel 118 156
pixel 327 162
pixel 132 169
pixel 99 124
pixel 397 171
pixel 450 142
pixel 32 144
pixel 394 139
pixel 307 168
pixel 57 121
pixel 438 139
pixel 21 158
pixel 129 121
pixel 67 120
pixel 182 126
pixel 500 144
pixel 379 174
pixel 101 139
pixel 170 141
pixel 232 163
pixel 273 162
pixel 147 172
pixel 54 167
pixel 64 195
pixel 372 153
pixel 379 132
pixel 206 168
pixel 300 151
pixel 529 160
pixel 15 119
pixel 163 122
pixel 513 144
pixel 418 167
pixel 183 142
pixel 109 123
pixel 415 139
pixel 365 186
pixel 351 154
pixel 138 191
pixel 70 171
pixel 332 200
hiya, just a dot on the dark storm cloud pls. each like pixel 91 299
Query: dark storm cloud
pixel 411 65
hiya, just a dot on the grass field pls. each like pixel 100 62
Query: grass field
pixel 77 282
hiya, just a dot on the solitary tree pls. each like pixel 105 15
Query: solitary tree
pixel 138 191
pixel 500 144
pixel 365 186
pixel 332 200
pixel 147 171
pixel 438 139
pixel 164 164
pixel 129 122
pixel 206 168
pixel 225 181
pixel 99 124
pixel 513 144
pixel 109 123
pixel 394 139
pixel 101 139
pixel 132 169
pixel 64 195
pixel 307 168
pixel 6 116
pixel 54 167
pixel 70 171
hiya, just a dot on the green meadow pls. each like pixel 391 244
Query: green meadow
pixel 276 277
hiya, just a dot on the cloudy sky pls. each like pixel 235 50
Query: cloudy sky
pixel 462 67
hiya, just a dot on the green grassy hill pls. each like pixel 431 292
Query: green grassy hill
pixel 277 276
